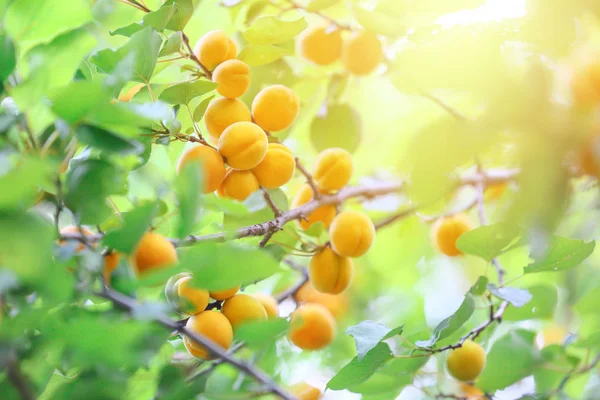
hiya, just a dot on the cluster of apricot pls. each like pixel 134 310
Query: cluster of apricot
pixel 240 134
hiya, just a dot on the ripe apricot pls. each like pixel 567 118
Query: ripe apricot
pixel 589 156
pixel 233 77
pixel 224 294
pixel 277 168
pixel 243 308
pixel 333 169
pixel 330 273
pixel 171 288
pixel 321 45
pixel 238 185
pixel 111 262
pixel 336 304
pixel 553 334
pixel 243 145
pixel 269 303
pixel 75 229
pixel 324 214
pixel 222 113
pixel 213 167
pixel 585 84
pixel 191 300
pixel 466 362
pixel 153 252
pixel 361 53
pixel 351 234
pixel 214 48
pixel 275 108
pixel 312 327
pixel 304 391
pixel 446 231
pixel 213 325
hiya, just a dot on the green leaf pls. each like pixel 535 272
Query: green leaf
pixel 172 45
pixel 261 54
pixel 105 140
pixel 19 185
pixel 187 187
pixel 78 99
pixel 368 334
pixel 325 130
pixel 480 286
pixel 201 109
pixel 379 22
pixel 157 19
pixel 451 324
pixel 183 93
pixel 8 60
pixel 358 371
pixel 316 5
pixel 563 254
pixel 135 224
pixel 261 333
pixel 489 241
pixel 542 305
pixel 516 297
pixel 183 13
pixel 272 30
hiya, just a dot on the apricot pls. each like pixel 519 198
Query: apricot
pixel 171 288
pixel 324 214
pixel 275 108
pixel 321 45
pixel 238 185
pixel 75 229
pixel 224 294
pixel 269 303
pixel 589 156
pixel 213 167
pixel 111 262
pixel 336 304
pixel 333 169
pixel 312 327
pixel 446 231
pixel 495 191
pixel 243 145
pixel 471 392
pixel 191 300
pixel 153 252
pixel 233 77
pixel 214 48
pixel 585 85
pixel 466 362
pixel 243 308
pixel 222 113
pixel 361 53
pixel 351 234
pixel 214 326
pixel 330 273
pixel 304 391
pixel 277 168
pixel 553 334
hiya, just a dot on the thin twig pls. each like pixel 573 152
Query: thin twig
pixel 579 371
pixel 395 217
pixel 13 371
pixel 192 56
pixel 457 114
pixel 296 6
pixel 59 205
pixel 309 179
pixel 270 202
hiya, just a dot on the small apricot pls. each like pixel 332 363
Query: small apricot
pixel 585 85
pixel 214 326
pixel 312 327
pixel 361 53
pixel 466 362
pixel 589 156
pixel 233 77
pixel 333 169
pixel 321 45
pixel 191 300
pixel 330 273
pixel 153 252
pixel 324 214
pixel 269 303
pixel 214 48
pixel 275 108
pixel 336 304
pixel 277 168
pixel 75 229
pixel 304 391
pixel 171 288
pixel 243 145
pixel 446 231
pixel 351 234
pixel 553 334
pixel 243 308
pixel 111 262
pixel 222 113
pixel 221 295
pixel 238 185
pixel 495 191
pixel 213 167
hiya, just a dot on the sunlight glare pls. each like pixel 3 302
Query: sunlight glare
pixel 493 10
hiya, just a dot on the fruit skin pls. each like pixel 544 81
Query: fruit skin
pixel 446 231
pixel 336 304
pixel 351 234
pixel 191 300
pixel 214 48
pixel 75 229
pixel 233 77
pixel 585 84
pixel 238 185
pixel 466 362
pixel 333 169
pixel 304 391
pixel 171 288
pixel 330 273
pixel 362 53
pixel 243 145
pixel 312 327
pixel 222 113
pixel 224 294
pixel 111 262
pixel 213 167
pixel 589 156
pixel 321 45
pixel 553 334
pixel 269 303
pixel 153 252
pixel 275 108
pixel 277 168
pixel 243 308
pixel 214 326
pixel 324 214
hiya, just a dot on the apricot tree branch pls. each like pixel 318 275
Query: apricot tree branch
pixel 270 202
pixel 309 179
pixel 457 114
pixel 296 6
pixel 13 371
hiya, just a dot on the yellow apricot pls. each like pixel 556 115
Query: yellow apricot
pixel 214 48
pixel 361 53
pixel 495 191
pixel 153 252
pixel 233 77
pixel 221 295
pixel 324 214
pixel 238 185
pixel 304 391
pixel 333 169
pixel 471 392
pixel 277 168
pixel 446 231
pixel 269 303
pixel 312 327
pixel 275 108
pixel 222 113
pixel 466 362
pixel 351 234
pixel 191 300
pixel 171 288
pixel 243 308
pixel 321 45
pixel 214 326
pixel 111 262
pixel 336 304
pixel 553 334
pixel 243 145
pixel 75 229
pixel 589 156
pixel 213 167
pixel 330 273
pixel 585 85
